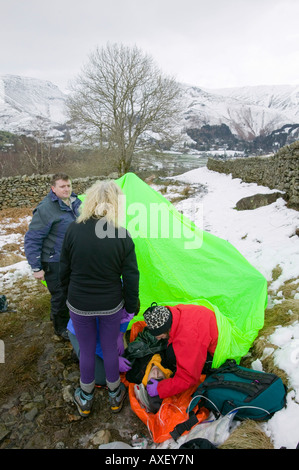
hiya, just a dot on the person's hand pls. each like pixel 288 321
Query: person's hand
pixel 40 275
pixel 124 364
pixel 127 317
pixel 130 316
pixel 120 344
pixel 152 387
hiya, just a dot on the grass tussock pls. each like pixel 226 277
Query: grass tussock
pixel 15 213
pixel 7 259
pixel 289 288
pixel 283 313
pixel 21 229
pixel 35 305
pixel 11 247
pixel 18 369
pixel 20 331
pixel 276 272
pixel 29 303
pixel 10 325
pixel 248 435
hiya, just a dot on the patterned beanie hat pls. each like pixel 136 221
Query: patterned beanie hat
pixel 158 319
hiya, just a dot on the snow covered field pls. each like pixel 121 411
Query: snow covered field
pixel 266 237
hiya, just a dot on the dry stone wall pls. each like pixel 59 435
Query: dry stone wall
pixel 28 191
pixel 279 171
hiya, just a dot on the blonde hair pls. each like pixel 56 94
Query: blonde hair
pixel 103 199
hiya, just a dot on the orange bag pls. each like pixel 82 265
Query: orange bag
pixel 172 410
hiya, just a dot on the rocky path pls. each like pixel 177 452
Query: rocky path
pixel 39 413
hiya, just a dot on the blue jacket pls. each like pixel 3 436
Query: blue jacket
pixel 51 218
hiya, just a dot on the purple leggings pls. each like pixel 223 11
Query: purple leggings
pixel 86 333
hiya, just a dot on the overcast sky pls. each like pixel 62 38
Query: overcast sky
pixel 206 43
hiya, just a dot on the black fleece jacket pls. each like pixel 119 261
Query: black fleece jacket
pixel 98 272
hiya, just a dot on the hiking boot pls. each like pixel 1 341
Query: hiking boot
pixel 63 334
pixel 83 401
pixel 117 398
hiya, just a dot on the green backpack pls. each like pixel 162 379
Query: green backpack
pixel 249 394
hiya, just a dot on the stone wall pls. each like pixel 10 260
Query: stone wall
pixel 28 191
pixel 279 171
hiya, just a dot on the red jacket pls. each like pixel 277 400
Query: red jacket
pixel 193 333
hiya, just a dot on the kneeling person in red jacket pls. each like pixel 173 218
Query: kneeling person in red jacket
pixel 192 333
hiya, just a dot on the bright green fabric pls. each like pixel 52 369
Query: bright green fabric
pixel 181 264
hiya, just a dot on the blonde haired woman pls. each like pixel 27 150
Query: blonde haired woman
pixel 103 199
pixel 99 272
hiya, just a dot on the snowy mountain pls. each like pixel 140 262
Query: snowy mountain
pixel 249 111
pixel 28 104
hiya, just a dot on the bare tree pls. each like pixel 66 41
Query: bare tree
pixel 120 98
pixel 41 153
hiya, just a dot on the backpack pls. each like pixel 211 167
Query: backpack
pixel 3 303
pixel 248 393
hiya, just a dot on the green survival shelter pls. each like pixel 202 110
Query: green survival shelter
pixel 182 264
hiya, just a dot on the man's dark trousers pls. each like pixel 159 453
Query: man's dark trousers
pixel 59 310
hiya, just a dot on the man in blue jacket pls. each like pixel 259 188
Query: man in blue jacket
pixel 43 242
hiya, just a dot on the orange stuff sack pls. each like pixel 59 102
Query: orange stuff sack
pixel 173 409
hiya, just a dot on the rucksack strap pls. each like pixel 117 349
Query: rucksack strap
pixel 252 390
pixel 231 366
pixel 261 377
pixel 185 426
